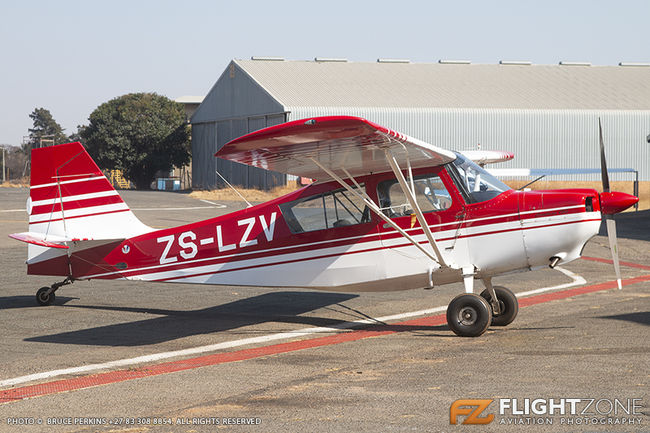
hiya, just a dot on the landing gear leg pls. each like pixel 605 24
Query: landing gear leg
pixel 503 302
pixel 45 295
pixel 469 315
pixel 490 295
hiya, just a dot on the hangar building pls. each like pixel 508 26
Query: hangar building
pixel 546 114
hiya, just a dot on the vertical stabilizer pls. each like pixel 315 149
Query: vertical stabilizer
pixel 71 199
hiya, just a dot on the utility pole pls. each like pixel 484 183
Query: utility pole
pixel 29 153
pixel 4 176
pixel 45 139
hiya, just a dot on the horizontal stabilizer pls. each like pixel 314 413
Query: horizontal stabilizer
pixel 39 239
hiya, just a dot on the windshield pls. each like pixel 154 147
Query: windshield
pixel 478 184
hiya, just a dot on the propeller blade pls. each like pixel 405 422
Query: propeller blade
pixel 603 163
pixel 613 246
pixel 609 219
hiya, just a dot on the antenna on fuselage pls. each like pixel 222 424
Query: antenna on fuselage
pixel 530 183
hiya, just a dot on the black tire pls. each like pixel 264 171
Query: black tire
pixel 43 298
pixel 469 315
pixel 508 303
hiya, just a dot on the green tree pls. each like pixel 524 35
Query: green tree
pixel 46 130
pixel 140 134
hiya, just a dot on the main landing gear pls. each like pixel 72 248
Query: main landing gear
pixel 45 295
pixel 469 315
pixel 508 305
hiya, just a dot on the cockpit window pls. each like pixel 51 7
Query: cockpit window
pixel 430 195
pixel 326 210
pixel 477 184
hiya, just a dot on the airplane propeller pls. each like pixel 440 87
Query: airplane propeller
pixel 611 203
pixel 609 219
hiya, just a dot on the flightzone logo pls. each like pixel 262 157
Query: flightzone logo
pixel 543 411
pixel 471 410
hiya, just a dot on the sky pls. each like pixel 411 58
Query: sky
pixel 71 56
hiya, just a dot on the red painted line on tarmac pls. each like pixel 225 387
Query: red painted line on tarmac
pixel 82 382
pixel 525 302
pixel 207 360
pixel 611 262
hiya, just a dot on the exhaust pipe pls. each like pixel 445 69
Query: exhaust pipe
pixel 553 261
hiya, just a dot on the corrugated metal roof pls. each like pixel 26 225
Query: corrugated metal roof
pixel 432 85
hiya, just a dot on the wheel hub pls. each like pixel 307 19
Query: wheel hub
pixel 467 316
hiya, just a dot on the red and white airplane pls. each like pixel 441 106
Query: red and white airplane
pixel 389 212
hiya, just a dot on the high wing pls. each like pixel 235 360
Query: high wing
pixel 343 147
pixel 353 144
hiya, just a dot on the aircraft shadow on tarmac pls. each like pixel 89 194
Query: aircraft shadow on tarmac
pixel 631 225
pixel 9 302
pixel 641 317
pixel 277 307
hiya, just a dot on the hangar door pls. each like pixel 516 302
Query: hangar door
pixel 210 137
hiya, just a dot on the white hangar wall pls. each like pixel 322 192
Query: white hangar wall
pixel 538 138
pixel 547 115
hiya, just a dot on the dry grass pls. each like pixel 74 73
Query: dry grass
pixel 252 195
pixel 16 183
pixel 622 186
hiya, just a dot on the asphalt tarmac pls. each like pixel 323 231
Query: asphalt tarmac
pixel 192 358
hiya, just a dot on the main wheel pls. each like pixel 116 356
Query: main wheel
pixel 43 298
pixel 507 302
pixel 469 315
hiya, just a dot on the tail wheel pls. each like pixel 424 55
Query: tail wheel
pixel 45 298
pixel 469 315
pixel 507 302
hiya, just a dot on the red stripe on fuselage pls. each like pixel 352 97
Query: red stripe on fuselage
pixel 310 245
pixel 348 253
pixel 274 252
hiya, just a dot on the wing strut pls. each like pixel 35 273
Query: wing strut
pixel 377 210
pixel 410 195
